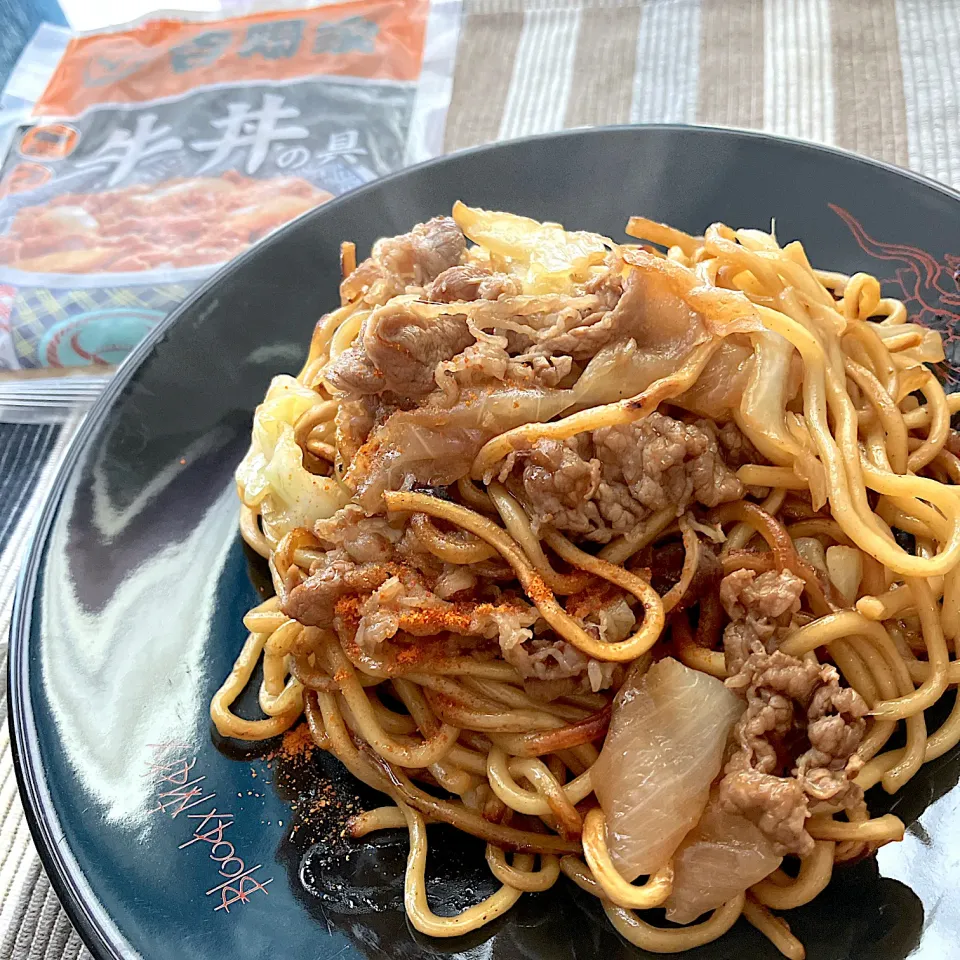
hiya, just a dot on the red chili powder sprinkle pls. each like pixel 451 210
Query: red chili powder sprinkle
pixel 297 743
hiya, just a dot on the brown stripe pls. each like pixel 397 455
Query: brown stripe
pixel 603 67
pixel 870 113
pixel 485 56
pixel 731 63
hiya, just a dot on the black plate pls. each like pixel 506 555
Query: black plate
pixel 128 615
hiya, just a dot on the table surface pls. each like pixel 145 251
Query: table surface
pixel 876 76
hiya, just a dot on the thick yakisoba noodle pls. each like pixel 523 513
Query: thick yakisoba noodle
pixel 490 665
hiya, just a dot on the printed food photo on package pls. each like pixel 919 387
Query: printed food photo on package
pixel 160 151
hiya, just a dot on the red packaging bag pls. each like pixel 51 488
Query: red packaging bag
pixel 159 152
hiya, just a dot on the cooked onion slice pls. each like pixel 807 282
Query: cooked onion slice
pixel 664 749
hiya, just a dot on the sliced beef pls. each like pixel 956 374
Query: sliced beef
pixel 375 581
pixel 780 673
pixel 768 721
pixel 425 252
pixel 752 785
pixel 313 601
pixel 758 606
pixel 538 371
pixel 581 334
pixel 546 659
pixel 790 703
pixel 768 595
pixel 369 602
pixel 488 359
pixel 665 462
pixel 410 260
pixel 560 485
pixel 552 668
pixel 740 639
pixel 354 374
pixel 435 444
pixel 466 282
pixel 835 728
pixel 405 602
pixel 364 539
pixel 737 449
pixel 398 351
pixel 777 805
pixel 601 484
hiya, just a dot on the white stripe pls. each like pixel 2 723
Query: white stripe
pixel 668 62
pixel 38 61
pixel 929 44
pixel 435 85
pixel 542 73
pixel 798 69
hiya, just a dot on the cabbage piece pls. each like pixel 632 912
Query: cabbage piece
pixel 296 497
pixel 543 256
pixel 811 550
pixel 765 397
pixel 435 444
pixel 930 349
pixel 620 371
pixel 664 749
pixel 664 314
pixel 285 402
pixel 721 857
pixel 272 477
pixel 719 388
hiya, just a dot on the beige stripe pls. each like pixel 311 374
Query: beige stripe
pixel 871 115
pixel 602 88
pixel 488 7
pixel 543 70
pixel 487 48
pixel 731 63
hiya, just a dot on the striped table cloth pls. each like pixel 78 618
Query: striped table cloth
pixel 881 77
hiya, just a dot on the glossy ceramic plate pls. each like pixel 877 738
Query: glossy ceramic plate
pixel 129 613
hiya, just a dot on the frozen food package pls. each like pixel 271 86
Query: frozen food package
pixel 159 151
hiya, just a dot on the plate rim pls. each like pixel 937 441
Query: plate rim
pixel 105 940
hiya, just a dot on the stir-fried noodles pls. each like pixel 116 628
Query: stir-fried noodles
pixel 627 559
